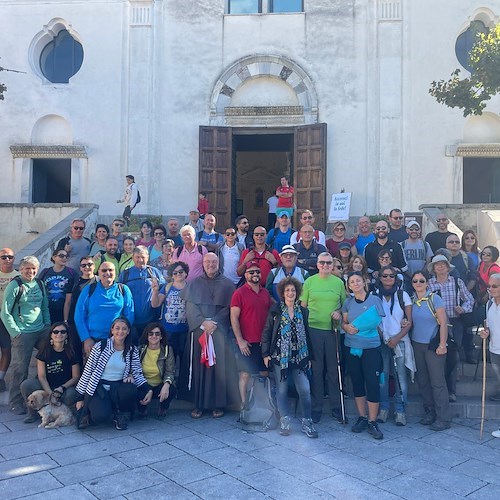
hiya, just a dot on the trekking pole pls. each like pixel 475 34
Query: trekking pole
pixel 336 332
pixel 483 395
pixel 403 402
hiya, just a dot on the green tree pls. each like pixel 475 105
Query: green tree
pixel 472 93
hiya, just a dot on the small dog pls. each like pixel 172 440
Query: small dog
pixel 53 415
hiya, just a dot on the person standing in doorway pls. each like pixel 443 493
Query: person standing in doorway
pixel 285 197
pixel 130 198
pixel 272 203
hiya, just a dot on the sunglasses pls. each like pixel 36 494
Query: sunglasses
pixel 387 275
pixel 255 271
pixel 259 234
pixel 230 234
pixel 345 249
pixel 339 229
pixel 493 286
pixel 107 270
pixel 398 218
pixel 62 255
pixel 175 273
pixel 442 220
pixel 421 280
pixel 384 258
pixel 380 228
pixel 7 257
pixel 117 224
pixel 78 228
pixel 454 241
pixel 325 262
pixel 62 332
pixel 88 264
pixel 154 334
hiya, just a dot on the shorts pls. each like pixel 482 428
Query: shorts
pixel 4 337
pixel 252 364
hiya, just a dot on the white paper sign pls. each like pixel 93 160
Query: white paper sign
pixel 340 207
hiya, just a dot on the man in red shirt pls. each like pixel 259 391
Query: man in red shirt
pixel 249 307
pixel 285 196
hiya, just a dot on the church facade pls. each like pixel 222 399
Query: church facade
pixel 226 96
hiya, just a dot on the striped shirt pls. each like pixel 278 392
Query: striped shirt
pixel 451 296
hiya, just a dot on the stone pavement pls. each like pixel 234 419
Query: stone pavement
pixel 185 458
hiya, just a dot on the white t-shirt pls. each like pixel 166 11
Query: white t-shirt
pixel 115 367
pixel 272 201
pixel 391 323
pixel 231 258
pixel 493 316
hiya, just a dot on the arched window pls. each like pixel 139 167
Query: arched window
pixel 466 40
pixel 259 198
pixel 61 58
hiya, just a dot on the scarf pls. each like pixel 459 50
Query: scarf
pixel 290 328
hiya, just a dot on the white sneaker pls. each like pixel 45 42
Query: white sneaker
pixel 382 416
pixel 496 434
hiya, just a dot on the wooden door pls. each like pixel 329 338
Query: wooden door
pixel 216 144
pixel 309 171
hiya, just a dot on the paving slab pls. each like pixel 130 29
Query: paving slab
pixel 488 492
pixel 75 492
pixel 23 467
pixel 411 489
pixel 148 455
pixel 197 445
pixel 478 469
pixel 224 486
pixel 185 469
pixel 21 487
pixel 167 489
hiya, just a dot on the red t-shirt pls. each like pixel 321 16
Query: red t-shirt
pixel 285 202
pixel 264 265
pixel 253 311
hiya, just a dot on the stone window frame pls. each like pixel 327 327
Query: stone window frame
pixel 42 39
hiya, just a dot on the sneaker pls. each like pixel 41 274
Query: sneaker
pixel 285 426
pixel 382 416
pixel 452 398
pixel 316 416
pixel 337 414
pixel 439 425
pixel 361 425
pixel 308 428
pixel 120 422
pixel 496 434
pixel 400 419
pixel 18 410
pixel 374 430
pixel 142 412
pixel 162 413
pixel 3 387
pixel 428 419
pixel 32 417
pixel 494 397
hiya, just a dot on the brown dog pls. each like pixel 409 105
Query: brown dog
pixel 53 415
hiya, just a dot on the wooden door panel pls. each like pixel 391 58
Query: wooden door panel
pixel 215 164
pixel 310 170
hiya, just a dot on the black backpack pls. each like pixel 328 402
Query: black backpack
pixel 138 197
pixel 93 285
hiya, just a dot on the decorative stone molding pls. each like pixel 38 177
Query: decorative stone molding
pixel 491 150
pixel 257 66
pixel 263 110
pixel 141 13
pixel 33 151
pixel 389 10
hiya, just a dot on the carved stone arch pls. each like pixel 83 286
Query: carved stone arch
pixel 483 14
pixel 43 37
pixel 274 67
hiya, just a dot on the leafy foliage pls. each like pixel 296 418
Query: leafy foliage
pixel 471 94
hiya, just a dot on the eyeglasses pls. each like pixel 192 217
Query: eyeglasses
pixel 380 228
pixel 62 255
pixel 117 224
pixel 7 257
pixel 230 233
pixel 175 273
pixel 421 280
pixel 259 234
pixel 88 264
pixel 339 229
pixel 387 275
pixel 442 220
pixel 78 228
pixel 107 270
pixel 493 286
pixel 454 241
pixel 159 234
pixel 62 332
pixel 397 218
pixel 345 248
pixel 255 271
pixel 325 262
pixel 386 257
pixel 412 229
pixel 154 334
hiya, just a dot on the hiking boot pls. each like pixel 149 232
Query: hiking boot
pixel 31 417
pixel 452 397
pixel 308 428
pixel 382 416
pixel 316 416
pixel 142 412
pixel 439 425
pixel 361 425
pixel 400 419
pixel 428 419
pixel 285 426
pixel 337 414
pixel 120 422
pixel 3 387
pixel 374 430
pixel 162 413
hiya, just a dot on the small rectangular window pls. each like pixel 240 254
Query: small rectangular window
pixel 286 6
pixel 245 6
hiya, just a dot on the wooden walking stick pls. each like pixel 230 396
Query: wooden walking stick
pixel 483 396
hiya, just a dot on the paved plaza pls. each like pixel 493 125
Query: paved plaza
pixel 207 458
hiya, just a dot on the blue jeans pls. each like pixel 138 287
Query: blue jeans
pixel 302 387
pixel 388 363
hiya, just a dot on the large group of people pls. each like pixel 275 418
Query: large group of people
pixel 192 313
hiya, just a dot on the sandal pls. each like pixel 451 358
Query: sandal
pixel 196 413
pixel 218 413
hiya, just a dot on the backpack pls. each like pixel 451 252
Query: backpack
pixel 93 285
pixel 20 292
pixel 179 249
pixel 259 413
pixel 138 197
pixel 217 236
pixel 126 273
pixel 275 235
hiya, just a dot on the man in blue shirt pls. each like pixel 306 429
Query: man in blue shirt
pixel 280 236
pixel 209 238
